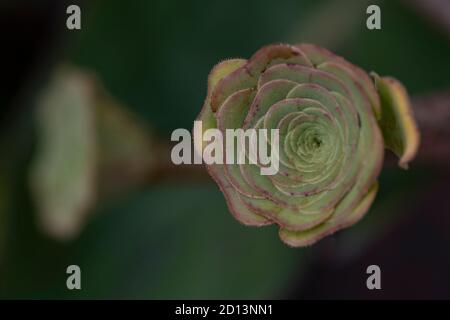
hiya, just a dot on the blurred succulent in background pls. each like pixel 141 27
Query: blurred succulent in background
pixel 89 148
pixel 332 118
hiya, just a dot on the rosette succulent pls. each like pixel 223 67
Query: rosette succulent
pixel 334 122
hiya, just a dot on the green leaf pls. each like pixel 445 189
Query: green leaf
pixel 63 169
pixel 181 243
pixel 89 149
pixel 397 121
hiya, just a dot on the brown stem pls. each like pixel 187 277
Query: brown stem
pixel 432 112
pixel 433 118
pixel 165 170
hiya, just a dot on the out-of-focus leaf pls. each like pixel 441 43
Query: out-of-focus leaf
pixel 63 171
pixel 126 150
pixel 180 242
pixel 89 147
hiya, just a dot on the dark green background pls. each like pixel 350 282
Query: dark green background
pixel 177 239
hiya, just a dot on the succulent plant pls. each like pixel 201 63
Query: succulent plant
pixel 334 123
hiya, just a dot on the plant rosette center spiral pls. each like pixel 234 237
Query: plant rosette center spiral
pixel 333 122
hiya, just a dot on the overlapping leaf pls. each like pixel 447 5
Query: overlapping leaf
pixel 331 145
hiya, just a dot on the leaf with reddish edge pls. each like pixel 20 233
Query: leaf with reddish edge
pixel 247 76
pixel 327 112
pixel 309 237
pixel 318 55
pixel 240 212
pixel 218 72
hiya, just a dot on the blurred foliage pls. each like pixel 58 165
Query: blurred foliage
pixel 87 146
pixel 162 68
pixel 126 148
pixel 178 240
pixel 165 242
pixel 63 170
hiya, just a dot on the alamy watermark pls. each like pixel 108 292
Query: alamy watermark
pixel 373 282
pixel 73 21
pixel 239 146
pixel 373 21
pixel 74 279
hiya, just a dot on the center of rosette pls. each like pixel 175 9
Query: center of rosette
pixel 309 139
